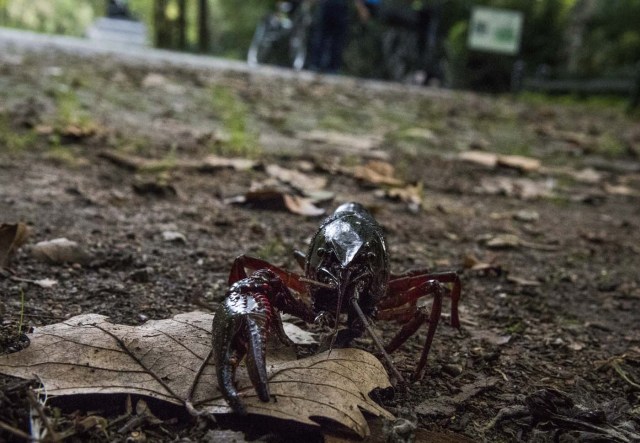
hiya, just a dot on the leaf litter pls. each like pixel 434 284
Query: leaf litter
pixel 87 354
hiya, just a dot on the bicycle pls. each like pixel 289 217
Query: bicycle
pixel 408 55
pixel 282 36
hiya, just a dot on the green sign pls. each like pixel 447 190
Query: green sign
pixel 495 30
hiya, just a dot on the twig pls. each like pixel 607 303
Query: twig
pixel 38 407
pixel 15 431
pixel 616 365
pixel 21 311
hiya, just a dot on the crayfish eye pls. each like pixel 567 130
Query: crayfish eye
pixel 320 252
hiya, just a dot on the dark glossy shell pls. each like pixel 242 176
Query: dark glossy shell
pixel 349 242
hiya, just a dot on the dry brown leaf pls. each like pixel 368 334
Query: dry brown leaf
pixel 277 200
pixel 491 160
pixel 519 162
pixel 376 172
pixel 213 162
pixel 355 142
pixel 208 164
pixel 488 159
pixel 89 355
pixel 60 250
pixel 447 405
pixel 621 190
pixel 298 180
pixel 523 188
pixel 411 194
pixel 12 236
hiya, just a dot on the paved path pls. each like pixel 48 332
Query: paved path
pixel 17 41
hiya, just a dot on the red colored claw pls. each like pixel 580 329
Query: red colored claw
pixel 240 328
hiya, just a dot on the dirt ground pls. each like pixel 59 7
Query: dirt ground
pixel 548 252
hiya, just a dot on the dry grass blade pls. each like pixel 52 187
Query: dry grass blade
pixel 12 236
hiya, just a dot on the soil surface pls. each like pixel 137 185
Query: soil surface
pixel 112 154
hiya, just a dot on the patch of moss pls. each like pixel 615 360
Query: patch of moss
pixel 610 146
pixel 70 113
pixel 234 114
pixel 271 249
pixel 12 140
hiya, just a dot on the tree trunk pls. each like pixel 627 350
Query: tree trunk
pixel 182 24
pixel 203 26
pixel 161 27
pixel 581 14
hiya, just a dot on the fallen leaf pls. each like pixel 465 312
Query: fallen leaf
pixel 447 405
pixel 160 359
pixel 376 172
pixel 60 250
pixel 155 188
pixel 522 281
pixel 491 160
pixel 355 142
pixel 489 336
pixel 523 188
pixel 411 194
pixel 213 162
pixel 12 236
pixel 300 181
pixel 208 164
pixel 277 200
pixel 298 335
pixel 519 162
pixel 43 283
pixel 174 236
pixel 488 159
pixel 621 190
pixel 510 241
pixel 503 241
pixel 525 215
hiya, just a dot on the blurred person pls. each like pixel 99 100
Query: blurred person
pixel 331 31
pixel 118 9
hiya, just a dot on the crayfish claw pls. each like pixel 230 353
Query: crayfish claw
pixel 240 328
pixel 256 361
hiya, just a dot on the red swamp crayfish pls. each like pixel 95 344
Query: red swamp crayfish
pixel 346 270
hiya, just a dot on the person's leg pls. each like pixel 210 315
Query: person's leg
pixel 338 24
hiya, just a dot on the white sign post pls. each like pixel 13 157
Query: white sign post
pixel 495 30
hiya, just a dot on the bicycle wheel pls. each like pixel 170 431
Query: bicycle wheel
pixel 299 38
pixel 265 39
pixel 298 48
pixel 259 47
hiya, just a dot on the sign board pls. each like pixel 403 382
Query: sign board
pixel 495 30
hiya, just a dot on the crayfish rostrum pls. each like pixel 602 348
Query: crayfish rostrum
pixel 346 270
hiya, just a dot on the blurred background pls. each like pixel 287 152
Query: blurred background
pixel 567 40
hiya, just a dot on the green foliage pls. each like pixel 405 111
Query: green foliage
pixel 13 140
pixel 50 16
pixel 545 22
pixel 70 111
pixel 233 112
pixel 235 22
pixel 612 45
